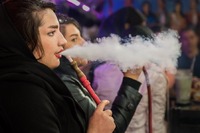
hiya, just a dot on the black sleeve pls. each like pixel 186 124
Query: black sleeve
pixel 29 108
pixel 81 95
pixel 125 104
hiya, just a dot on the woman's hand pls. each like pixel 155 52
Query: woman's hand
pixel 133 74
pixel 101 121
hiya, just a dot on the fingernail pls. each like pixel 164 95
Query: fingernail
pixel 107 101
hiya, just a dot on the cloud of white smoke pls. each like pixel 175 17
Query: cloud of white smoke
pixel 163 50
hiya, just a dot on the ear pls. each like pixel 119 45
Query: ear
pixel 37 53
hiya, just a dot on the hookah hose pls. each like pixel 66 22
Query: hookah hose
pixel 149 100
pixel 84 81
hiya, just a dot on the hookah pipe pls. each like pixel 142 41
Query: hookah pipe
pixel 149 99
pixel 87 85
pixel 84 80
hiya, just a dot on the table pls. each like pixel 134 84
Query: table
pixel 184 119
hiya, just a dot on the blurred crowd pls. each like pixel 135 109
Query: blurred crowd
pixel 104 18
pixel 186 23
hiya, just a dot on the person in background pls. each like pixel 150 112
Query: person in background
pixel 190 57
pixel 33 99
pixel 162 14
pixel 72 32
pixel 106 73
pixel 177 20
pixel 192 16
pixel 151 18
pixel 128 3
pixel 122 114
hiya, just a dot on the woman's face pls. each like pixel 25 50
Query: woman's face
pixel 146 8
pixel 189 42
pixel 51 39
pixel 73 37
pixel 178 7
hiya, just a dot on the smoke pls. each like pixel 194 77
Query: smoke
pixel 162 50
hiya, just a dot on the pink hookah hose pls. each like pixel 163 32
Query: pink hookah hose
pixel 149 100
pixel 84 81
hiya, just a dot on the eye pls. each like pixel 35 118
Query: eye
pixel 74 39
pixel 51 33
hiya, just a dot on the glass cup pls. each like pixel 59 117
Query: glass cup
pixel 183 82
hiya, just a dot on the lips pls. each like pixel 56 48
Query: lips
pixel 58 55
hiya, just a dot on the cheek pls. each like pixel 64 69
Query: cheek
pixel 49 48
pixel 80 43
pixel 68 45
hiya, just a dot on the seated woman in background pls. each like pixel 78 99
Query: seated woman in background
pixel 106 73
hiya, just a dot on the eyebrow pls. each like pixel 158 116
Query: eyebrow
pixel 73 35
pixel 53 26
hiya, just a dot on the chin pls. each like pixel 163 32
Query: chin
pixel 53 66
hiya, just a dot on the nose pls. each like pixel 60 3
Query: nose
pixel 82 40
pixel 62 41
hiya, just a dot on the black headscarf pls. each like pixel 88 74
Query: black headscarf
pixel 15 57
pixel 10 38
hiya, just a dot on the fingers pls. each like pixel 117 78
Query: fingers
pixel 134 74
pixel 108 112
pixel 102 105
pixel 101 117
